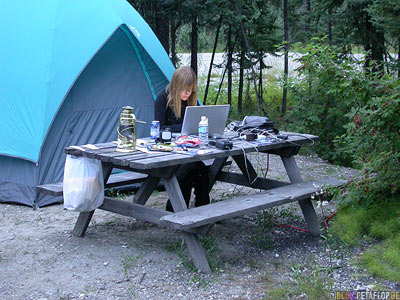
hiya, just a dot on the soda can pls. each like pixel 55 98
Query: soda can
pixel 155 129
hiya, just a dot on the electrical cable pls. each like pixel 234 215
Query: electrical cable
pixel 268 133
pixel 285 226
pixel 267 169
pixel 264 132
pixel 328 218
pixel 245 163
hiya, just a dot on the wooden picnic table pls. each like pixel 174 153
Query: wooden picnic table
pixel 197 221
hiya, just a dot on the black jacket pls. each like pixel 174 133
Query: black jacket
pixel 165 115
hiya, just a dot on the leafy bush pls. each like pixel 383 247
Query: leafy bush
pixel 373 141
pixel 328 85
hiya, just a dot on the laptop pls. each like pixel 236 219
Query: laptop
pixel 217 116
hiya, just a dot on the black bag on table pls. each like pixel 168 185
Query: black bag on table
pixel 255 123
pixel 250 122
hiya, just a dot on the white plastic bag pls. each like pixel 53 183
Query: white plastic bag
pixel 83 185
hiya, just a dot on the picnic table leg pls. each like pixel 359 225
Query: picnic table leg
pixel 84 218
pixel 195 248
pixel 144 192
pixel 306 205
pixel 214 169
pixel 82 223
pixel 246 167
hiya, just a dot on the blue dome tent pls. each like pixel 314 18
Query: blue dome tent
pixel 66 69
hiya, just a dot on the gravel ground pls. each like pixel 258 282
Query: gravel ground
pixel 122 258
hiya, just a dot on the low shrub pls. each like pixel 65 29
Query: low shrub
pixel 329 84
pixel 372 139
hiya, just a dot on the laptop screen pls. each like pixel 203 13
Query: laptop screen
pixel 217 116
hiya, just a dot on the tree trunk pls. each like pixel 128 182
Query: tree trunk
pixel 174 29
pixel 241 80
pixel 375 42
pixel 246 43
pixel 212 60
pixel 329 26
pixel 229 63
pixel 162 28
pixel 220 85
pixel 307 18
pixel 194 44
pixel 398 61
pixel 378 50
pixel 260 78
pixel 286 59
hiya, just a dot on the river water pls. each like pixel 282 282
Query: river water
pixel 204 59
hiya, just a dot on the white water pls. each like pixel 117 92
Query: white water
pixel 204 60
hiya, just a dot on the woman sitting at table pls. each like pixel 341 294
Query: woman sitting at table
pixel 170 107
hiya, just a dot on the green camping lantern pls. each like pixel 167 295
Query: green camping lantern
pixel 126 130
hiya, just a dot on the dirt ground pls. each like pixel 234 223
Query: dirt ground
pixel 122 258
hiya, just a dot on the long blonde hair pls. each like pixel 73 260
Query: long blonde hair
pixel 183 79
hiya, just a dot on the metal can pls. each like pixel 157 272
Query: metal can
pixel 155 129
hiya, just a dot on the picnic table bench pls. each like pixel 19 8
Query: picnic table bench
pixel 115 180
pixel 193 222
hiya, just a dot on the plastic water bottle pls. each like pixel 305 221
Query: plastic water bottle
pixel 203 131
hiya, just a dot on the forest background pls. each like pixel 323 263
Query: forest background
pixel 345 89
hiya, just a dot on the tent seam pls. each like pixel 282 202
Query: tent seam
pixel 129 34
pixel 67 92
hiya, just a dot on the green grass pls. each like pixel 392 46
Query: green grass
pixel 348 226
pixel 128 262
pixel 259 236
pixel 314 286
pixel 286 291
pixel 380 222
pixel 308 279
pixel 384 260
pixel 199 279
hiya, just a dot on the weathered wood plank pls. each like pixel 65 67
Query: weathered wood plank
pixel 195 249
pixel 196 252
pixel 82 223
pixel 284 151
pixel 144 192
pixel 125 178
pixel 111 155
pixel 241 205
pixel 161 161
pixel 53 189
pixel 292 169
pixel 175 194
pixel 148 163
pixel 305 204
pixel 214 169
pixel 115 180
pixel 89 152
pixel 140 212
pixel 106 145
pixel 260 183
pixel 246 167
pixel 125 161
